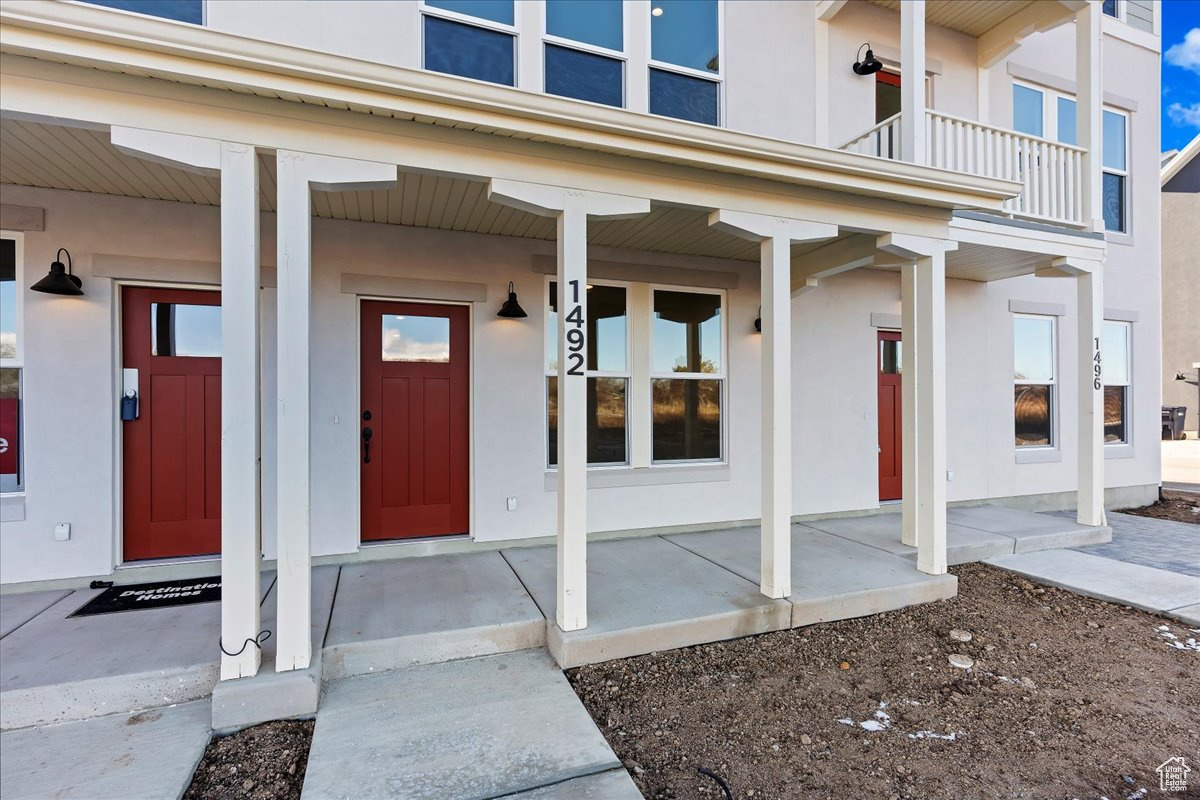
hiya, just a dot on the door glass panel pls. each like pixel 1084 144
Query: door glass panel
pixel 1027 110
pixel 1033 415
pixel 1033 349
pixel 891 357
pixel 687 332
pixel 8 298
pixel 887 96
pixel 182 330
pixel 414 338
pixel 686 422
pixel 595 22
pixel 471 52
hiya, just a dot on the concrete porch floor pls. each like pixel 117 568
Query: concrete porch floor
pixel 645 594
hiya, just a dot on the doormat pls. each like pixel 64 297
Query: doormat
pixel 164 594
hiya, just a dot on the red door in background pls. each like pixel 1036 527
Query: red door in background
pixel 890 363
pixel 414 423
pixel 172 451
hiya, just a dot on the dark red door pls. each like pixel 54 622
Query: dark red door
pixel 172 451
pixel 414 424
pixel 890 364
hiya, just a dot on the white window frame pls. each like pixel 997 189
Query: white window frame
pixel 1119 7
pixel 551 337
pixel 586 47
pixel 717 77
pixel 721 375
pixel 478 22
pixel 1127 384
pixel 1126 206
pixel 17 361
pixel 1052 383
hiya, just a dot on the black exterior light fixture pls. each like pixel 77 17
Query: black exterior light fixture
pixel 869 65
pixel 511 308
pixel 758 321
pixel 60 280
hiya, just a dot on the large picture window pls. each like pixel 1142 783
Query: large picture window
pixel 1035 380
pixel 11 354
pixel 685 60
pixel 607 371
pixel 1117 381
pixel 471 38
pixel 687 376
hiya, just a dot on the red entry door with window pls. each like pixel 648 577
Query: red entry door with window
pixel 889 366
pixel 172 451
pixel 414 422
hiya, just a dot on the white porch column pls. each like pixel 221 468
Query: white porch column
pixel 571 208
pixel 1089 110
pixel 923 393
pixel 912 87
pixel 776 236
pixel 241 546
pixel 297 174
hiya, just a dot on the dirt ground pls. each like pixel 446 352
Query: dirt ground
pixel 266 762
pixel 1068 698
pixel 1179 506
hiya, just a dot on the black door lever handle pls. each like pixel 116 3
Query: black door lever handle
pixel 367 433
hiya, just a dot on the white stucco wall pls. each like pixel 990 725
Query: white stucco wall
pixel 72 361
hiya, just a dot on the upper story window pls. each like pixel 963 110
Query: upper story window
pixel 471 38
pixel 1035 376
pixel 685 60
pixel 584 50
pixel 1110 8
pixel 180 10
pixel 1116 171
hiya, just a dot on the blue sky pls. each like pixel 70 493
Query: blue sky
pixel 1180 72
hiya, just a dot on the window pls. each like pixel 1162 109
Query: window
pixel 1117 375
pixel 1027 110
pixel 584 43
pixel 685 62
pixel 687 376
pixel 1109 7
pixel 1034 379
pixel 180 10
pixel 185 331
pixel 607 371
pixel 11 350
pixel 1116 171
pixel 887 95
pixel 471 38
pixel 412 338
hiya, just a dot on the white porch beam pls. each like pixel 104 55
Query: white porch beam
pixel 923 395
pixel 1001 41
pixel 572 208
pixel 843 255
pixel 775 236
pixel 1089 283
pixel 912 88
pixel 298 174
pixel 241 546
pixel 1089 111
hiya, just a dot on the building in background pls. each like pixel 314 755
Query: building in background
pixel 1181 281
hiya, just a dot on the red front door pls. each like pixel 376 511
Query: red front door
pixel 172 451
pixel 890 361
pixel 414 423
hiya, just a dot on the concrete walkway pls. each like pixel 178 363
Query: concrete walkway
pixel 498 726
pixel 1159 543
pixel 1181 465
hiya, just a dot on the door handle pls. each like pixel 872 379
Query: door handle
pixel 367 433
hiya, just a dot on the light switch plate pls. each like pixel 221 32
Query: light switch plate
pixel 512 504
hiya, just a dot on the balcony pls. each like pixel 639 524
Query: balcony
pixel 1051 173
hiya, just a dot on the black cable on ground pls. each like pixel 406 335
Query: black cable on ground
pixel 256 641
pixel 708 773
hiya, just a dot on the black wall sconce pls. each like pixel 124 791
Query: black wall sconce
pixel 511 308
pixel 60 280
pixel 758 321
pixel 869 65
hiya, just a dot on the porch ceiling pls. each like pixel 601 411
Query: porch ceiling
pixel 972 17
pixel 82 159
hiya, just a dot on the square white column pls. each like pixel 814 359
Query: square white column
pixel 1090 292
pixel 912 87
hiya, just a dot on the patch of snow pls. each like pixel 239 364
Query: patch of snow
pixel 1138 795
pixel 1173 641
pixel 949 737
pixel 846 721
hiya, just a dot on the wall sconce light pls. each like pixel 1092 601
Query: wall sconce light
pixel 59 280
pixel 869 65
pixel 758 321
pixel 511 308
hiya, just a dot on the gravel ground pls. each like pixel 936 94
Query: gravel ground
pixel 1068 697
pixel 266 762
pixel 1179 506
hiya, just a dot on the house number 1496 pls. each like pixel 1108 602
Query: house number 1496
pixel 577 336
pixel 1097 383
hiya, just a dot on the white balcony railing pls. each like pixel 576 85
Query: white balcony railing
pixel 1050 173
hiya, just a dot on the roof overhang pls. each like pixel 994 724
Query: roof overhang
pixel 115 42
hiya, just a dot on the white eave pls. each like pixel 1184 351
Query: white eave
pixel 118 42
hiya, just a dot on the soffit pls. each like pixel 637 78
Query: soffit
pixel 972 17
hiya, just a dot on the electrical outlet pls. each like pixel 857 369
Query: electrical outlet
pixel 62 532
pixel 512 504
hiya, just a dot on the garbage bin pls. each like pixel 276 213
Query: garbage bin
pixel 1172 422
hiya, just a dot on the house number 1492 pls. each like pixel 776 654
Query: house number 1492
pixel 576 336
